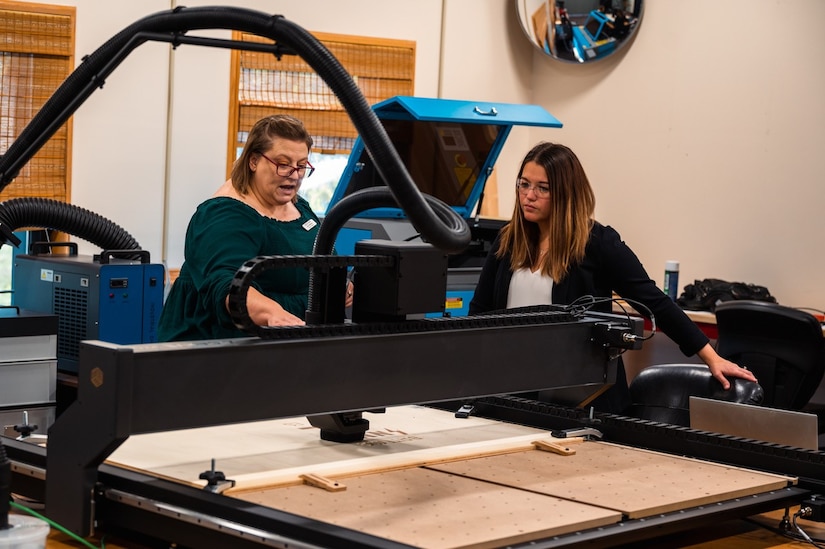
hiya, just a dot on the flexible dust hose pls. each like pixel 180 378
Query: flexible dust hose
pixel 92 73
pixel 51 214
pixel 340 213
pixel 95 68
pixel 451 238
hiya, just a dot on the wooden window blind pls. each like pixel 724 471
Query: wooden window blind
pixel 36 55
pixel 261 85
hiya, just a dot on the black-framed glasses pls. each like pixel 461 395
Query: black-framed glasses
pixel 285 170
pixel 541 190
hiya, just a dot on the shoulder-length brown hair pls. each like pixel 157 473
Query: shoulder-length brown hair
pixel 572 204
pixel 261 136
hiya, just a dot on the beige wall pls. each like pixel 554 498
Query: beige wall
pixel 702 138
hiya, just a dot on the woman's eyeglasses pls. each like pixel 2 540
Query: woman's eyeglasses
pixel 542 191
pixel 285 170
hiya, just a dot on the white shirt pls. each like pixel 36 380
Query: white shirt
pixel 529 288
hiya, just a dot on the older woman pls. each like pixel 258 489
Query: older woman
pixel 256 212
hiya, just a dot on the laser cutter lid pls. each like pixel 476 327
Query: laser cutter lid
pixel 448 146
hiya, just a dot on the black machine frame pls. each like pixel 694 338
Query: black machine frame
pixel 126 390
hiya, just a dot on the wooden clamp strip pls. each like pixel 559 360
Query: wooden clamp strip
pixel 323 482
pixel 555 447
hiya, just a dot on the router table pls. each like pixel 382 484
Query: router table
pixel 425 478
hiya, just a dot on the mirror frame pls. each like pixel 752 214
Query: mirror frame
pixel 596 31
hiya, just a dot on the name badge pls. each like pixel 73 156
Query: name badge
pixel 310 223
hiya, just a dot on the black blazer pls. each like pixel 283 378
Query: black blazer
pixel 609 265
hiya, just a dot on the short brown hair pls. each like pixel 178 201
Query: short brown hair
pixel 260 139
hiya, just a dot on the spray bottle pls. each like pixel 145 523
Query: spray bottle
pixel 672 279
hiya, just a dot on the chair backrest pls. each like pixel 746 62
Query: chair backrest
pixel 783 346
pixel 662 392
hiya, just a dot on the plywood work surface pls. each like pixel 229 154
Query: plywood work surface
pixel 279 451
pixel 636 482
pixel 428 508
pixel 426 478
pixel 513 497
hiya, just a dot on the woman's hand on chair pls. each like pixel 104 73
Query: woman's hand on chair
pixel 722 369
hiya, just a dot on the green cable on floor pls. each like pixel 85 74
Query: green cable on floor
pixel 57 526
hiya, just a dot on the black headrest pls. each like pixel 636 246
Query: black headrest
pixel 662 392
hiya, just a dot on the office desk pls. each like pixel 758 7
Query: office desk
pixel 704 319
pixel 706 322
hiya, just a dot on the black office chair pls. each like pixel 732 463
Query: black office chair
pixel 662 392
pixel 783 346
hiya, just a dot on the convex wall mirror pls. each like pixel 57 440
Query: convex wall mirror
pixel 579 31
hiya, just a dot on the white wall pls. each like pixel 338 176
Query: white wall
pixel 486 58
pixel 701 138
pixel 119 132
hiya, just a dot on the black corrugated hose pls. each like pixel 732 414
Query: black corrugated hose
pixel 51 214
pixel 346 208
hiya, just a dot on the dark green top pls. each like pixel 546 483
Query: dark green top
pixel 222 235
